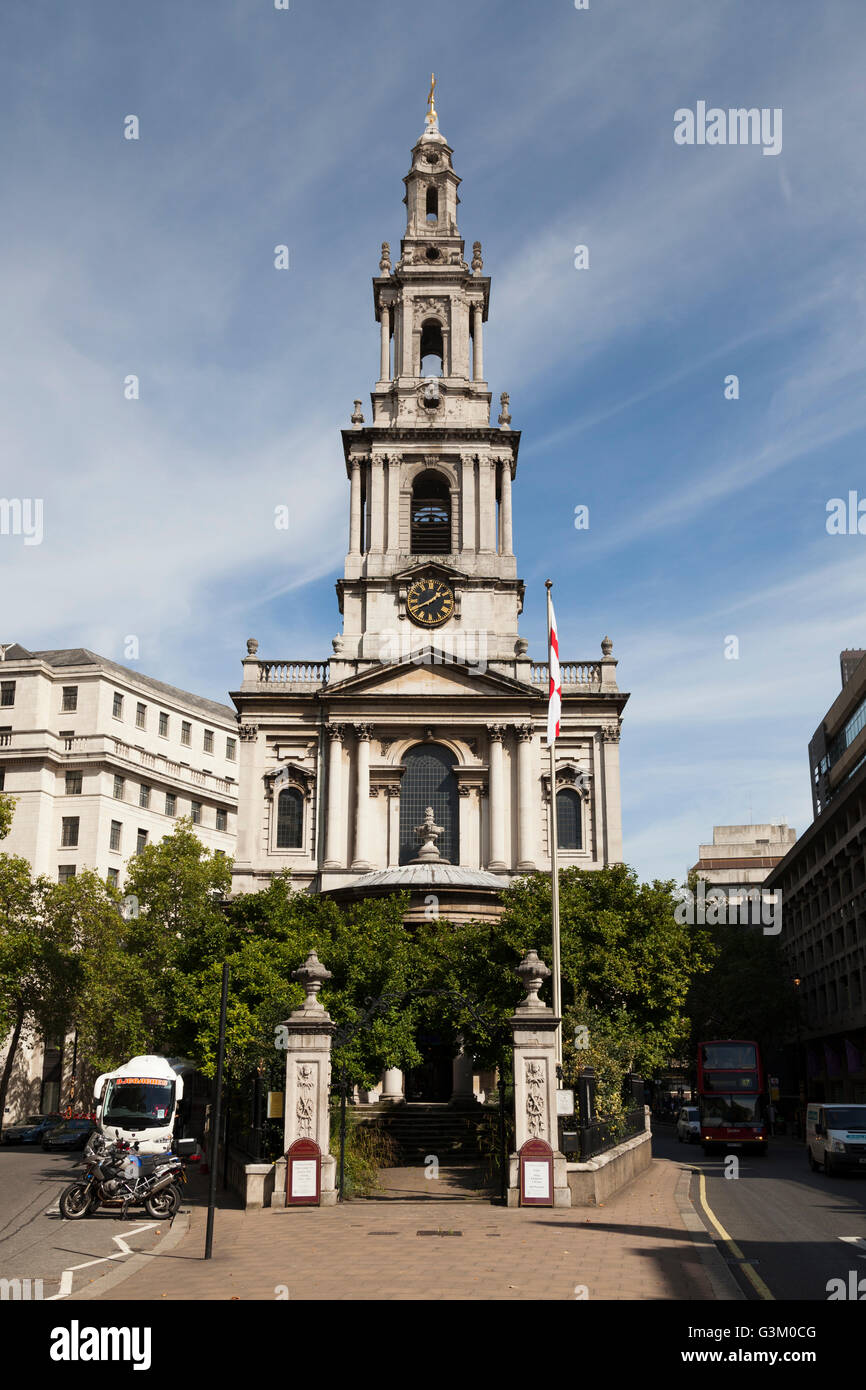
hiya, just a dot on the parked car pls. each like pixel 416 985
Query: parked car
pixel 69 1134
pixel 31 1130
pixel 689 1124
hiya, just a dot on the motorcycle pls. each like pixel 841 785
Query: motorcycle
pixel 118 1176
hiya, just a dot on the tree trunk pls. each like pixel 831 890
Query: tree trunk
pixel 10 1062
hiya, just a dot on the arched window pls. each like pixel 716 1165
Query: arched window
pixel 429 781
pixel 432 350
pixel 568 820
pixel 432 204
pixel 430 532
pixel 290 819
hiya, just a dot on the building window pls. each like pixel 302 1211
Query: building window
pixel 290 819
pixel 429 781
pixel 113 876
pixel 195 812
pixel 432 348
pixel 5 735
pixel 140 841
pixel 185 733
pixel 73 784
pixel 2 779
pixel 163 724
pixel 144 797
pixel 568 824
pixel 119 785
pixel 70 699
pixel 432 204
pixel 170 804
pixel 222 819
pixel 7 692
pixel 141 716
pixel 65 872
pixel 69 833
pixel 431 515
pixel 231 749
pixel 117 705
pixel 114 837
pixel 208 740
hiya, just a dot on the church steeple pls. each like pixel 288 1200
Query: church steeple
pixel 430 475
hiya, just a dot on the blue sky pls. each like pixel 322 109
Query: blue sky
pixel 259 127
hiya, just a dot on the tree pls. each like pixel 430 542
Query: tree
pixel 7 809
pixel 625 958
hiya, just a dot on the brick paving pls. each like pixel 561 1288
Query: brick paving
pixel 636 1246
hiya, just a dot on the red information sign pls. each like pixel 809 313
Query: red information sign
pixel 303 1174
pixel 536 1174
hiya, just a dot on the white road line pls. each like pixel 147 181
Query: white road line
pixel 859 1241
pixel 66 1276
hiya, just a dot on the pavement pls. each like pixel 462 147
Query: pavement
pixel 644 1243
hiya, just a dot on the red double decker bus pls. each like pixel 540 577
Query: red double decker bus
pixel 731 1096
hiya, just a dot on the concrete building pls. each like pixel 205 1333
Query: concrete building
pixel 430 699
pixel 741 856
pixel 822 879
pixel 102 760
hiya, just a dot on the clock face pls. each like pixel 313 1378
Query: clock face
pixel 430 602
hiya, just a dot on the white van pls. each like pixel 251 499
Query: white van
pixel 836 1137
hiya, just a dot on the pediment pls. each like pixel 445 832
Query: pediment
pixel 431 567
pixel 425 673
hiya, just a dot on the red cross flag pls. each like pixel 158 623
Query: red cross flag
pixel 554 708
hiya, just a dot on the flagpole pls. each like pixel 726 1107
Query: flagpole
pixel 554 870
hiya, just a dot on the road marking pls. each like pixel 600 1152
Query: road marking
pixel 751 1274
pixel 859 1241
pixel 66 1276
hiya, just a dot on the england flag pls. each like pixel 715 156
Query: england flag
pixel 554 708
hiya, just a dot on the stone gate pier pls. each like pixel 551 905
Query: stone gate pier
pixel 534 1027
pixel 306 1112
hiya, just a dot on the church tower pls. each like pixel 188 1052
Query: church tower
pixel 430 534
pixel 415 756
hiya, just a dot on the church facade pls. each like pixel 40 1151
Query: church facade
pixel 429 702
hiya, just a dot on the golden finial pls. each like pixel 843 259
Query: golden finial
pixel 431 109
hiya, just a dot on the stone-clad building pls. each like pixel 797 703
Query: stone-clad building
pixel 430 697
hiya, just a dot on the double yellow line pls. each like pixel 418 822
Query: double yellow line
pixel 751 1274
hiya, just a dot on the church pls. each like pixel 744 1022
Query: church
pixel 415 756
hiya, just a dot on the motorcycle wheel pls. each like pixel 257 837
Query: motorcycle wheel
pixel 160 1206
pixel 76 1201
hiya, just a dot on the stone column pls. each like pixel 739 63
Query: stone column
pixel 308 1079
pixel 462 1091
pixel 477 343
pixel 496 863
pixel 364 733
pixel 393 541
pixel 252 760
pixel 334 824
pixel 467 502
pixel 392 1086
pixel 506 543
pixel 355 509
pixel 610 810
pixel 487 504
pixel 534 1026
pixel 377 503
pixel 385 346
pixel 528 805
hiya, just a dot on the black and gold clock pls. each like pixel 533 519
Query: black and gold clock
pixel 430 602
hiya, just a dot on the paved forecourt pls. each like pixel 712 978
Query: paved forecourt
pixel 637 1246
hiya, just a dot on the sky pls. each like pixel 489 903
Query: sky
pixel 261 127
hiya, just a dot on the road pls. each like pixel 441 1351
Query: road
pixel 789 1223
pixel 35 1243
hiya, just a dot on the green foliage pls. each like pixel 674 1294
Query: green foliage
pixel 368 1148
pixel 7 809
pixel 626 962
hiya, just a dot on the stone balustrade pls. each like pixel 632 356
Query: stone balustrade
pixel 575 674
